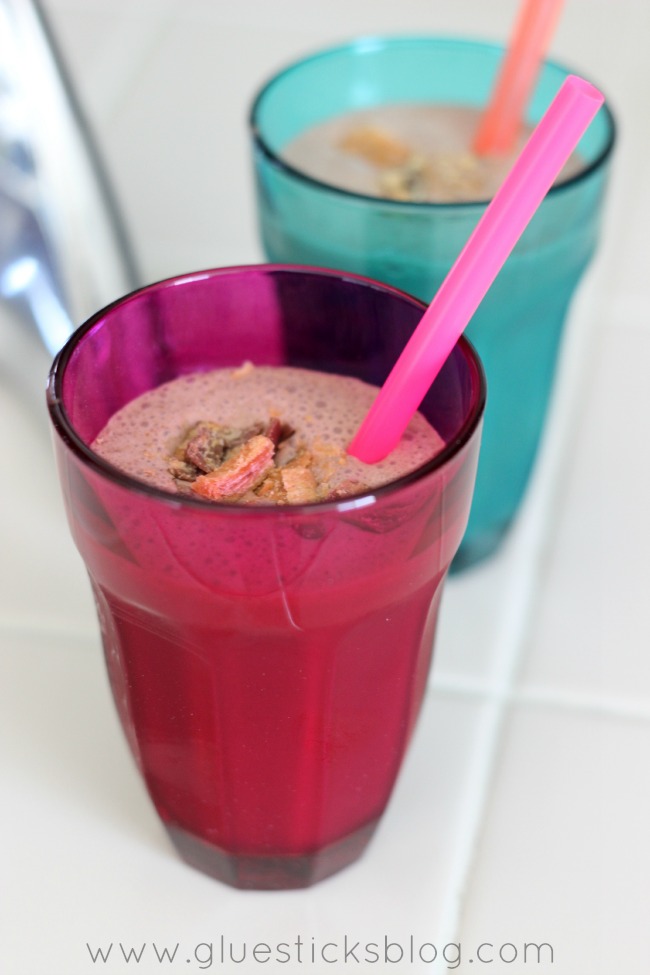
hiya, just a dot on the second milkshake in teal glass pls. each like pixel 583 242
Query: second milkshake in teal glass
pixel 305 219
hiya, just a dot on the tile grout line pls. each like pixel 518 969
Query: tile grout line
pixel 529 551
pixel 541 696
pixel 586 704
pixel 456 687
pixel 9 626
pixel 482 768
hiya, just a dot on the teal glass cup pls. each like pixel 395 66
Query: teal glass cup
pixel 518 328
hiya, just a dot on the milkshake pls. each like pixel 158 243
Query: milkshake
pixel 410 152
pixel 362 162
pixel 267 652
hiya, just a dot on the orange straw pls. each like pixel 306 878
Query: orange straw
pixel 504 114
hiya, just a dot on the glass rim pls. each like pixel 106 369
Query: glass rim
pixel 73 441
pixel 377 42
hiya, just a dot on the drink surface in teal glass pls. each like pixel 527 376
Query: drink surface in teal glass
pixel 412 245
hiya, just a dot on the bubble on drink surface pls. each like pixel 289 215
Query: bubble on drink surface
pixel 324 409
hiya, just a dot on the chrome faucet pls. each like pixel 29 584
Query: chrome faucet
pixel 64 252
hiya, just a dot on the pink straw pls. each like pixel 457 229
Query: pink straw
pixel 501 120
pixel 476 267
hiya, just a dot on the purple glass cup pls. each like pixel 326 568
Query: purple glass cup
pixel 267 663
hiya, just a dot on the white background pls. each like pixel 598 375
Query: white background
pixel 522 812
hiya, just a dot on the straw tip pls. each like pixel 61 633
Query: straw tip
pixel 584 88
pixel 362 453
pixel 369 449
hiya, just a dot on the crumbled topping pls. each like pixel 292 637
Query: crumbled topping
pixel 404 174
pixel 243 370
pixel 264 463
pixel 243 470
pixel 375 146
pixel 407 182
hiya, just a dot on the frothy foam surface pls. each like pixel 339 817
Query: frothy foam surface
pixel 438 137
pixel 325 411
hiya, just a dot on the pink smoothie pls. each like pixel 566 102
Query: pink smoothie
pixel 268 664
pixel 268 660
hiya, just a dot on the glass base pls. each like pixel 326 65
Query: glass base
pixel 477 549
pixel 270 872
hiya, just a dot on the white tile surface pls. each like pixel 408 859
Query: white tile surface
pixel 521 812
pixel 593 619
pixel 564 855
